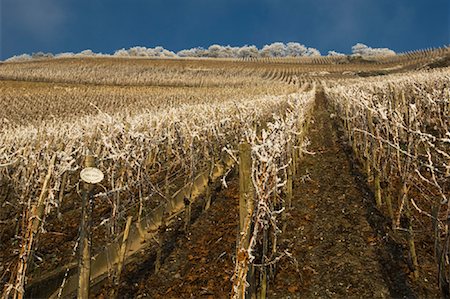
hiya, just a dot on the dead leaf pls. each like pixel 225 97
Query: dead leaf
pixel 372 240
pixel 311 269
pixel 242 255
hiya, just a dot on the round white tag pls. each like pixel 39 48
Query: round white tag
pixel 92 175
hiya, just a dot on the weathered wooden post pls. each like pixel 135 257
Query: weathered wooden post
pixel 163 227
pixel 207 197
pixel 62 189
pixel 388 198
pixel 32 230
pixel 377 184
pixel 62 186
pixel 123 248
pixel 295 159
pixel 289 177
pixel 159 250
pixel 187 211
pixel 208 187
pixel 411 243
pixel 368 152
pixel 347 123
pixel 90 176
pixel 263 269
pixel 355 146
pixel 245 185
pixel 122 253
pixel 160 236
pixel 245 211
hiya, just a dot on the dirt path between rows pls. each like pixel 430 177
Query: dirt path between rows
pixel 339 243
pixel 196 264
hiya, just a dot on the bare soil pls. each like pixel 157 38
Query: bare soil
pixel 340 244
pixel 198 263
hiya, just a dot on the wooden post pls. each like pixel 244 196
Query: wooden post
pixel 378 198
pixel 245 210
pixel 354 145
pixel 289 179
pixel 263 269
pixel 347 123
pixel 372 158
pixel 367 161
pixel 245 183
pixel 388 198
pixel 208 197
pixel 294 161
pixel 289 183
pixel 34 224
pixel 123 250
pixel 160 239
pixel 62 189
pixel 187 213
pixel 85 236
pixel 412 247
pixel 208 186
pixel 167 188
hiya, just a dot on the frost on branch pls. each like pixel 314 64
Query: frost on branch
pixel 364 50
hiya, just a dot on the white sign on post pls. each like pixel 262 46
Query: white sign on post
pixel 91 175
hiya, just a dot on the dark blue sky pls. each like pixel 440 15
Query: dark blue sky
pixel 106 25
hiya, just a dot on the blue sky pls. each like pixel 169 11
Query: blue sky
pixel 106 25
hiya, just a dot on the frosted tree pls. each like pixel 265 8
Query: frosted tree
pixel 248 51
pixel 136 51
pixel 86 53
pixel 232 52
pixel 276 49
pixel 167 53
pixel 65 55
pixel 194 52
pixel 217 51
pixel 312 52
pixel 121 53
pixel 334 53
pixel 23 57
pixel 363 50
pixel 291 49
pixel 40 55
pixel 161 52
pixel 295 49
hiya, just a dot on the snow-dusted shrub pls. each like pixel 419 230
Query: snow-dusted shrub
pixel 121 53
pixel 23 57
pixel 290 49
pixel 276 49
pixel 40 55
pixel 296 49
pixel 65 55
pixel 248 51
pixel 364 50
pixel 334 53
pixel 86 53
pixel 194 52
pixel 312 52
